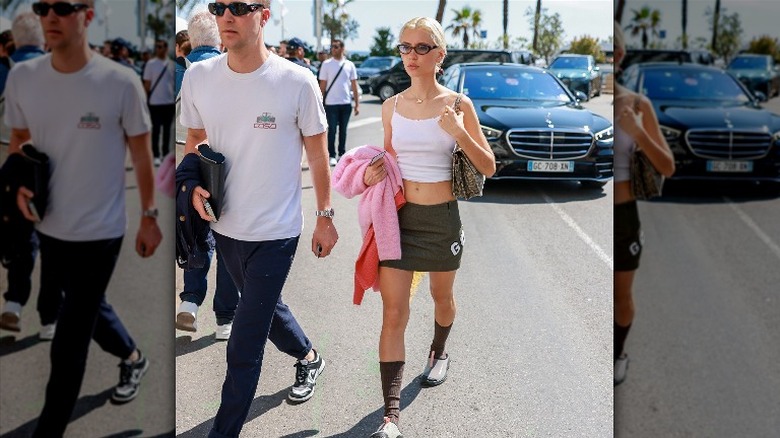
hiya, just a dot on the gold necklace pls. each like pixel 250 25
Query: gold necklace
pixel 418 100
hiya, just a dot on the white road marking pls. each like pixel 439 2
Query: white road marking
pixel 753 226
pixel 363 122
pixel 582 234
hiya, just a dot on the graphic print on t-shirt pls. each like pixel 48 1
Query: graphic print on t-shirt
pixel 266 121
pixel 89 121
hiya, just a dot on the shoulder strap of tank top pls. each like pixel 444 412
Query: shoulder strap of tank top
pixel 395 102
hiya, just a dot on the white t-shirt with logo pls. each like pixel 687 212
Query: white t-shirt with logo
pixel 257 120
pixel 80 120
pixel 163 93
pixel 339 93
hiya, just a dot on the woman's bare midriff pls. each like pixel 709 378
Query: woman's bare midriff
pixel 428 193
pixel 623 192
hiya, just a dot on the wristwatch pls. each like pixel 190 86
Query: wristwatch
pixel 325 213
pixel 152 213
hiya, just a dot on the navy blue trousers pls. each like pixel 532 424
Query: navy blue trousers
pixel 84 270
pixel 259 270
pixel 225 295
pixel 338 118
pixel 20 272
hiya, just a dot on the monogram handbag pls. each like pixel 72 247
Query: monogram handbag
pixel 467 181
pixel 646 181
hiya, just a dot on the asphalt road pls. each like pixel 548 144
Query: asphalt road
pixel 137 292
pixel 705 357
pixel 531 345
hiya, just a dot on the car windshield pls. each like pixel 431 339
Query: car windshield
pixel 692 85
pixel 512 84
pixel 378 63
pixel 577 62
pixel 749 62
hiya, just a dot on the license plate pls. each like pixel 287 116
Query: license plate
pixel 729 166
pixel 551 166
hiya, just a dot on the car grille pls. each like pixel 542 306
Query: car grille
pixel 537 143
pixel 728 144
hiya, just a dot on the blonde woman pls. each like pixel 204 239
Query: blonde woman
pixel 636 126
pixel 421 128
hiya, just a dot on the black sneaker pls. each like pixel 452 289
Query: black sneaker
pixel 306 374
pixel 130 374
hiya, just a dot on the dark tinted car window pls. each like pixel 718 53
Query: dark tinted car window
pixel 749 62
pixel 570 62
pixel 454 57
pixel 505 83
pixel 378 63
pixel 692 85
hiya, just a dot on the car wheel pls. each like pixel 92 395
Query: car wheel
pixel 592 184
pixel 386 91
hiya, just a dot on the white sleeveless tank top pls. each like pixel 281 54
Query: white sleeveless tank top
pixel 423 148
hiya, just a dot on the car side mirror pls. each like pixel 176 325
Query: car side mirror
pixel 760 96
pixel 580 96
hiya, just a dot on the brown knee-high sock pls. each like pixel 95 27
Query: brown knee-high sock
pixel 620 335
pixel 392 374
pixel 440 335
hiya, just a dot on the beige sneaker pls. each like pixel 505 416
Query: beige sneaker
pixel 186 319
pixel 388 429
pixel 9 320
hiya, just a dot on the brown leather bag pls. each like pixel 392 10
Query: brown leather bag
pixel 467 181
pixel 646 181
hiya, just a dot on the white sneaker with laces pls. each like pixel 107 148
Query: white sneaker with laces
pixel 187 318
pixel 47 332
pixel 333 161
pixel 223 331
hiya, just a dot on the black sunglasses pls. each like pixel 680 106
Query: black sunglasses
pixel 61 9
pixel 236 8
pixel 421 49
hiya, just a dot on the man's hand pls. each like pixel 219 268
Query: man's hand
pixel 357 111
pixel 324 238
pixel 23 198
pixel 148 238
pixel 198 195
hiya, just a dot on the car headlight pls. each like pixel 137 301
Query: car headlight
pixel 490 133
pixel 606 137
pixel 671 135
pixel 584 75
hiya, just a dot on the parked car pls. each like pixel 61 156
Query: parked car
pixel 637 56
pixel 757 72
pixel 534 124
pixel 578 72
pixel 395 80
pixel 714 126
pixel 371 67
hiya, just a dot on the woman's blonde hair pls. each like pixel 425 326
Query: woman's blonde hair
pixel 429 25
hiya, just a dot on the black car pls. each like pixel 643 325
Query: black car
pixel 534 124
pixel 757 72
pixel 638 56
pixel 713 125
pixel 395 80
pixel 578 72
pixel 371 67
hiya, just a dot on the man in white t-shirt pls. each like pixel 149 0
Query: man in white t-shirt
pixel 264 113
pixel 337 75
pixel 159 83
pixel 80 109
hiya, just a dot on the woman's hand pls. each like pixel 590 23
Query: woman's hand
pixel 375 173
pixel 629 120
pixel 452 122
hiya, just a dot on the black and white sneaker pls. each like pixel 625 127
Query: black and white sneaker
pixel 130 374
pixel 621 369
pixel 306 374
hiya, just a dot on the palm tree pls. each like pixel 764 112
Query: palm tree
pixel 645 20
pixel 715 20
pixel 684 24
pixel 536 24
pixel 619 6
pixel 467 21
pixel 506 24
pixel 440 10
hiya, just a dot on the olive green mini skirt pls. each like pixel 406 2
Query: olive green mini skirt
pixel 431 238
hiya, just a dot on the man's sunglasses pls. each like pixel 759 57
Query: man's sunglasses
pixel 236 8
pixel 421 49
pixel 61 9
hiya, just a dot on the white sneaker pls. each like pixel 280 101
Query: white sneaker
pixel 187 318
pixel 9 320
pixel 47 332
pixel 333 161
pixel 157 162
pixel 223 332
pixel 621 368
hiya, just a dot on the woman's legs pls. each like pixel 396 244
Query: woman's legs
pixel 444 310
pixel 395 289
pixel 624 308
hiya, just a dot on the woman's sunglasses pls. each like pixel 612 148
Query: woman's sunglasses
pixel 61 9
pixel 236 8
pixel 421 49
